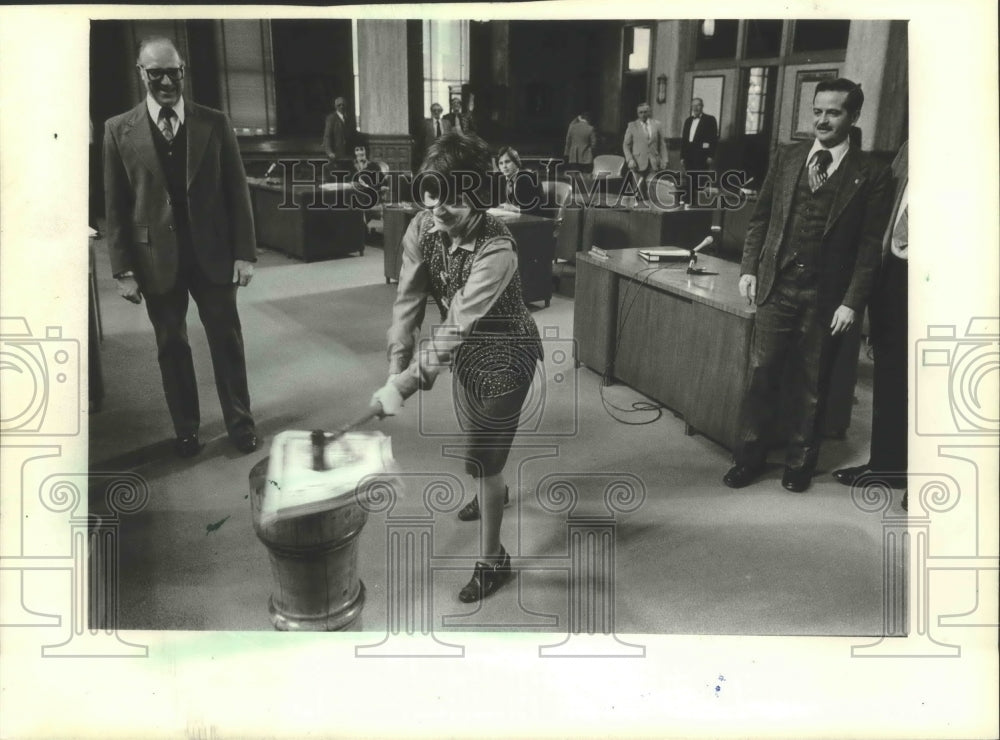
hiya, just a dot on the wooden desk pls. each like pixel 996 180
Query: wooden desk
pixel 619 228
pixel 535 248
pixel 303 231
pixel 682 339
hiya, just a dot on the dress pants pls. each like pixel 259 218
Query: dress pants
pixel 788 328
pixel 217 309
pixel 888 318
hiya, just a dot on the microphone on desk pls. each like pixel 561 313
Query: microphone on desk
pixel 708 240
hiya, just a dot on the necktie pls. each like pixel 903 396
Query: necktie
pixel 817 169
pixel 437 127
pixel 645 125
pixel 165 123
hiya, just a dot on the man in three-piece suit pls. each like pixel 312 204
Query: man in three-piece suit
pixel 644 146
pixel 339 134
pixel 179 224
pixel 581 141
pixel 434 127
pixel 699 138
pixel 887 314
pixel 810 259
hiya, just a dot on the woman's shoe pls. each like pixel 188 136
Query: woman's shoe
pixel 486 578
pixel 470 512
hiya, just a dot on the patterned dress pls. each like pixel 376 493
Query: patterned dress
pixel 501 352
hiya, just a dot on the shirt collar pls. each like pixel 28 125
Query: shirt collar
pixel 837 152
pixel 466 239
pixel 154 109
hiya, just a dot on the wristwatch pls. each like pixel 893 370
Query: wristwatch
pixel 123 275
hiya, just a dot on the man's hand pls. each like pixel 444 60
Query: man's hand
pixel 843 319
pixel 710 162
pixel 242 272
pixel 128 289
pixel 748 288
pixel 633 165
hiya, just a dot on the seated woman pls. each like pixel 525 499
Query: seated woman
pixel 520 192
pixel 465 260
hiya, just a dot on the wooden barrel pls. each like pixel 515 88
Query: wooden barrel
pixel 314 561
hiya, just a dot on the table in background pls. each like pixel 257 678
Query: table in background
pixel 535 248
pixel 683 339
pixel 301 230
pixel 620 228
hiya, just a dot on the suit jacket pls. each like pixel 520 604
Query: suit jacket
pixel 528 194
pixel 580 143
pixel 338 137
pixel 647 153
pixel 900 176
pixel 428 134
pixel 706 136
pixel 141 227
pixel 852 239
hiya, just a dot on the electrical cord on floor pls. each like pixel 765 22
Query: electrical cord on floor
pixel 640 279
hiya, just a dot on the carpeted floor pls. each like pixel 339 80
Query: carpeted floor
pixel 683 554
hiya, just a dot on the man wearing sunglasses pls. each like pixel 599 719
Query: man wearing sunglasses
pixel 179 224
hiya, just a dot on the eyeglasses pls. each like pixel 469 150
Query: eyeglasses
pixel 175 74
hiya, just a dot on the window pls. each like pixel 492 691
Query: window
pixel 763 39
pixel 716 39
pixel 446 60
pixel 758 87
pixel 820 35
pixel 637 46
pixel 247 79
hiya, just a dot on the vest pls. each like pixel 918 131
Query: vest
pixel 807 222
pixel 503 347
pixel 173 163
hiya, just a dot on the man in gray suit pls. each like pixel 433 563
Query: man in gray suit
pixel 810 257
pixel 179 224
pixel 434 127
pixel 580 143
pixel 644 146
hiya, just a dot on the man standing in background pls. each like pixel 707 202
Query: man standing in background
pixel 434 127
pixel 459 120
pixel 179 224
pixel 644 146
pixel 581 140
pixel 339 133
pixel 698 140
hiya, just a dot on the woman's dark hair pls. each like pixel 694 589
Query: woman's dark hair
pixel 455 164
pixel 510 152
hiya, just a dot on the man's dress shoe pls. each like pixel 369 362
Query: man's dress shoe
pixel 245 442
pixel 187 446
pixel 742 475
pixel 847 476
pixel 796 480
